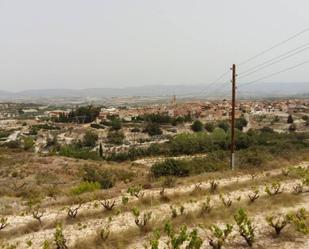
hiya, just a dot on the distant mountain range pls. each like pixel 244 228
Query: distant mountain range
pixel 261 90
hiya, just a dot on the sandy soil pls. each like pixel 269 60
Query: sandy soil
pixel 124 221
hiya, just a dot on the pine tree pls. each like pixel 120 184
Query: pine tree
pixel 101 150
pixel 290 119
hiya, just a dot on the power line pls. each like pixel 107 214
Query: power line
pixel 219 78
pixel 277 57
pixel 276 73
pixel 273 47
pixel 259 68
pixel 213 83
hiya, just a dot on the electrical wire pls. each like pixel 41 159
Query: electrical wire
pixel 272 63
pixel 273 47
pixel 276 73
pixel 277 57
pixel 208 87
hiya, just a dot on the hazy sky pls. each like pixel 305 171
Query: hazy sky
pixel 118 43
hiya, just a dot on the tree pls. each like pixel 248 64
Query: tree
pixel 116 124
pixel 209 127
pixel 220 138
pixel 224 125
pixel 115 137
pixel 101 150
pixel 241 123
pixel 153 129
pixel 83 114
pixel 197 126
pixel 90 139
pixel 290 119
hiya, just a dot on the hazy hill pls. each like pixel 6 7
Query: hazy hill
pixel 199 91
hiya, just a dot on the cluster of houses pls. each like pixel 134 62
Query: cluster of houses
pixel 209 111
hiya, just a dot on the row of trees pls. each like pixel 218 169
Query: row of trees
pixel 201 142
pixel 210 126
pixel 83 114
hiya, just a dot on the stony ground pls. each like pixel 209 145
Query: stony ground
pixel 24 231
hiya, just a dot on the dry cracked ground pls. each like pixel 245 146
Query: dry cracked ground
pixel 194 202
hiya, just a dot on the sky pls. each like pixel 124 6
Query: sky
pixel 120 43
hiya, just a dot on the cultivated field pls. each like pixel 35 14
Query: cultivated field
pixel 40 209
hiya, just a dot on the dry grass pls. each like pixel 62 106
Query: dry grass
pixel 193 218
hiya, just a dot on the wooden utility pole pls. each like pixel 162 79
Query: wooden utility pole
pixel 233 117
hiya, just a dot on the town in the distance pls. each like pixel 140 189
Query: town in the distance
pixel 123 127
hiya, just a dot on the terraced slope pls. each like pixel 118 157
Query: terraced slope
pixel 186 205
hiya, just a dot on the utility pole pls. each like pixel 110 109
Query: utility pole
pixel 233 117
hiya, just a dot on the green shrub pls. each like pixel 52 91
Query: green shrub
pixel 90 139
pixel 224 125
pixel 170 167
pixel 45 127
pixel 241 123
pixel 13 144
pixel 153 129
pixel 103 177
pixel 97 126
pixel 28 143
pixel 197 126
pixel 4 134
pixel 209 127
pixel 84 187
pixel 80 153
pixel 116 124
pixel 115 137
